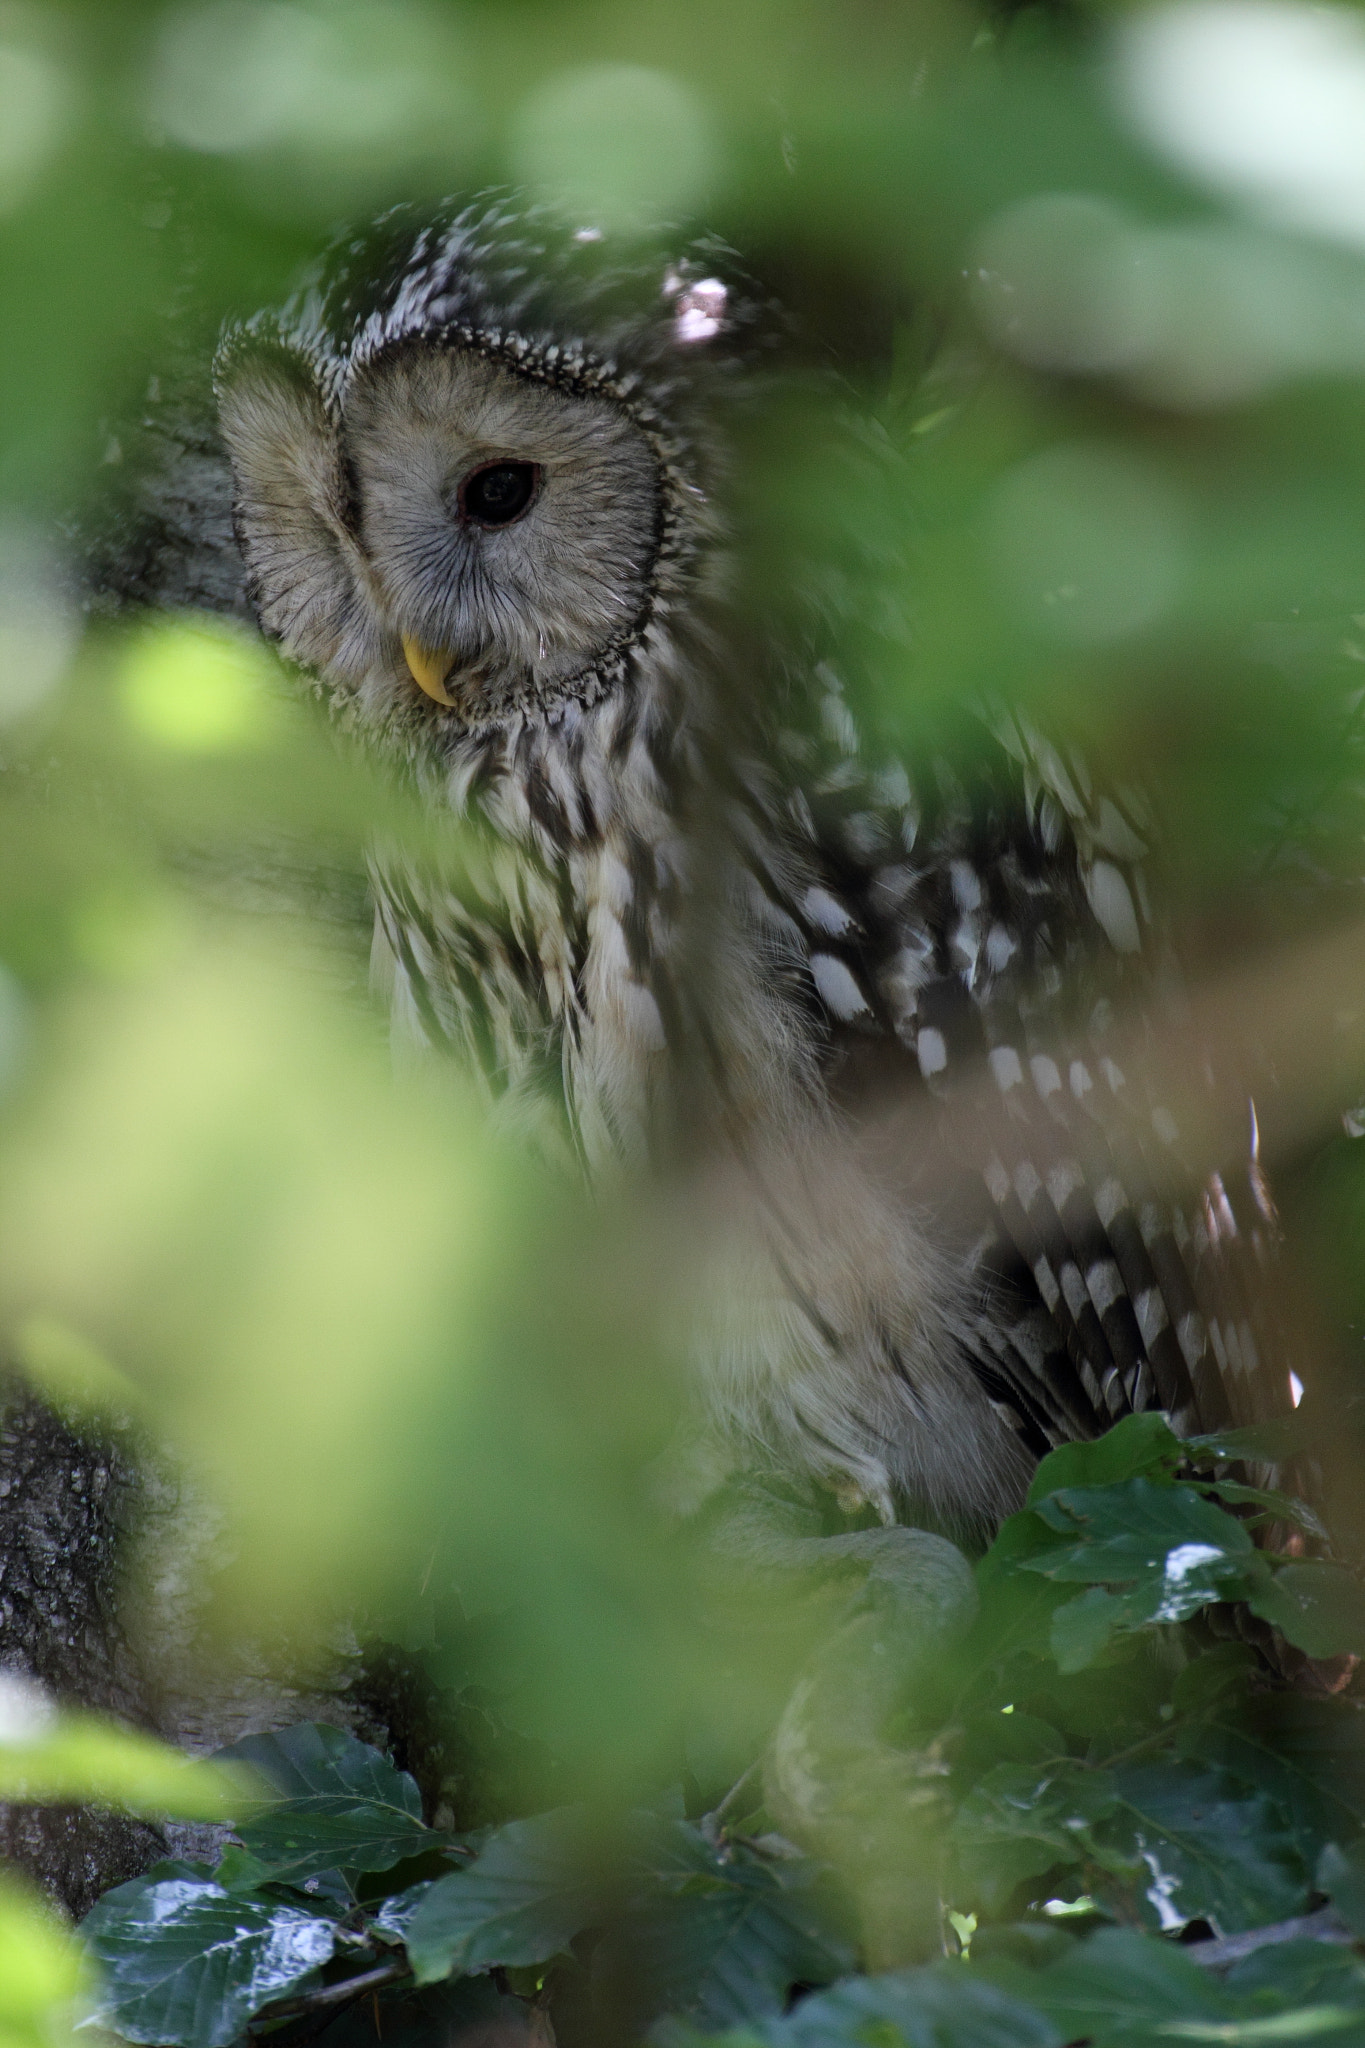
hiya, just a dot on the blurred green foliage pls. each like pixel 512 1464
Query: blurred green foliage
pixel 1094 448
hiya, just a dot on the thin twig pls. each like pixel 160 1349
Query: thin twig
pixel 334 1994
pixel 1324 1925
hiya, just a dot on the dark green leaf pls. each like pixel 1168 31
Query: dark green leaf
pixel 1127 1532
pixel 1020 1823
pixel 1290 1973
pixel 395 1915
pixel 1307 1755
pixel 1210 1678
pixel 1140 1446
pixel 1341 1874
pixel 946 2006
pixel 1320 1607
pixel 1202 1850
pixel 315 1759
pixel 1262 1443
pixel 1165 1550
pixel 1117 1987
pixel 521 1900
pixel 722 1936
pixel 301 1838
pixel 186 1962
pixel 1280 1507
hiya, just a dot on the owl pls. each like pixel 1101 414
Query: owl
pixel 483 475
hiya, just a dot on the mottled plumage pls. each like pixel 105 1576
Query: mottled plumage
pixel 867 1004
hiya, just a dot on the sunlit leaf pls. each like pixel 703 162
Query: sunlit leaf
pixel 184 1961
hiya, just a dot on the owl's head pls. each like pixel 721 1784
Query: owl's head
pixel 471 469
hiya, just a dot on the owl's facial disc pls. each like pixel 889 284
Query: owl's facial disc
pixel 510 525
pixel 454 529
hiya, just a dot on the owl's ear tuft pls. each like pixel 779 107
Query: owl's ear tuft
pixel 291 499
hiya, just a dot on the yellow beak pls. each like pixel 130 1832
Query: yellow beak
pixel 429 671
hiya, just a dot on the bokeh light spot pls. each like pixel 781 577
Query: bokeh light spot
pixel 199 688
pixel 1263 100
pixel 1089 541
pixel 338 88
pixel 33 102
pixel 617 142
pixel 1055 281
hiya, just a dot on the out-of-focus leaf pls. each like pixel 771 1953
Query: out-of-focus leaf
pixel 945 2006
pixel 183 1961
pixel 521 1900
pixel 77 1756
pixel 1140 1446
pixel 1118 1987
pixel 1320 1607
pixel 1298 1973
pixel 722 1936
pixel 314 1758
pixel 43 1971
pixel 300 1838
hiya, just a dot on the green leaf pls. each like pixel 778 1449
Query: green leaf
pixel 1126 1532
pixel 395 1915
pixel 1307 1755
pixel 521 1900
pixel 1290 1973
pixel 1140 1446
pixel 945 2006
pixel 300 1838
pixel 1262 1443
pixel 1207 1680
pixel 1319 1607
pixel 1203 1850
pixel 1166 1550
pixel 1280 1507
pixel 722 1936
pixel 1021 1822
pixel 313 1758
pixel 184 1961
pixel 43 1970
pixel 70 1756
pixel 1116 1987
pixel 1175 1842
pixel 1341 1875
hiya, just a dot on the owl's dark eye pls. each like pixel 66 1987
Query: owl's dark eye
pixel 497 493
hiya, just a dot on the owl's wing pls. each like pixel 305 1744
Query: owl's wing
pixel 984 938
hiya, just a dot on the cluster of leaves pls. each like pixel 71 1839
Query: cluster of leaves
pixel 338 1888
pixel 1120 1782
pixel 1103 1754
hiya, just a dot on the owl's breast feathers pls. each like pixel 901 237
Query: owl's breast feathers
pixel 951 1230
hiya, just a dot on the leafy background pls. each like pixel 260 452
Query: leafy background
pixel 1082 305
